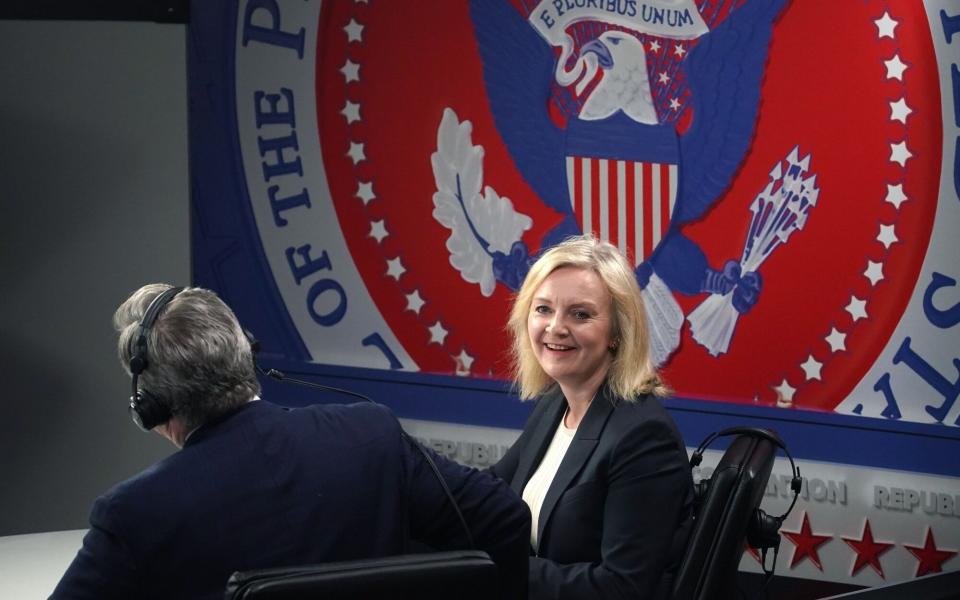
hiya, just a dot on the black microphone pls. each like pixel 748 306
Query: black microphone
pixel 281 376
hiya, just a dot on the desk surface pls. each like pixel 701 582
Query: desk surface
pixel 32 564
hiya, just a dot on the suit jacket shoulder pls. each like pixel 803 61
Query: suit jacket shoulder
pixel 646 412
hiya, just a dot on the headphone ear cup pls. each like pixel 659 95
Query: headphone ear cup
pixel 147 411
pixel 763 530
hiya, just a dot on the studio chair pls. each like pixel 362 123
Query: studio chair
pixel 468 574
pixel 727 515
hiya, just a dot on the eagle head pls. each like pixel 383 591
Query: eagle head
pixel 625 83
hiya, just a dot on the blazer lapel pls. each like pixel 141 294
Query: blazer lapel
pixel 540 440
pixel 582 446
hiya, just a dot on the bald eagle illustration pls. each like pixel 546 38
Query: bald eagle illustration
pixel 625 86
pixel 662 116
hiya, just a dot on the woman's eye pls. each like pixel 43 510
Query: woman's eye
pixel 541 309
pixel 581 315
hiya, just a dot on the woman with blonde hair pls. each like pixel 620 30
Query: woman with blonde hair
pixel 600 462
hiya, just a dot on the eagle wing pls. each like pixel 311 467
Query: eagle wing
pixel 725 71
pixel 517 72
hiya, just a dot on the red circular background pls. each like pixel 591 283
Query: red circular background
pixel 826 89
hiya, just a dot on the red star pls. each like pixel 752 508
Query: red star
pixel 806 543
pixel 931 558
pixel 753 551
pixel 868 551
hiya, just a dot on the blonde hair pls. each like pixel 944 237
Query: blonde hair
pixel 632 371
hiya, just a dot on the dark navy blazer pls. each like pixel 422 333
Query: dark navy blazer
pixel 616 518
pixel 272 486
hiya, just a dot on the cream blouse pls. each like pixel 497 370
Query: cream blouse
pixel 538 485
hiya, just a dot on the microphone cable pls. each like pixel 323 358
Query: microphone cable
pixel 282 377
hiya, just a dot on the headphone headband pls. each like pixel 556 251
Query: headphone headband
pixel 144 408
pixel 763 531
pixel 138 362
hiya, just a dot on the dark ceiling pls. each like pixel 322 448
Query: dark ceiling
pixel 160 11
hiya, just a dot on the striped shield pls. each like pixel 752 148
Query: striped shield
pixel 624 202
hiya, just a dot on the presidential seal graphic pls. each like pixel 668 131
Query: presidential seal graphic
pixel 776 172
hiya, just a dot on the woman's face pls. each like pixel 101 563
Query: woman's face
pixel 570 325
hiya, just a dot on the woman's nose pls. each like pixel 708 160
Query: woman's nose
pixel 556 325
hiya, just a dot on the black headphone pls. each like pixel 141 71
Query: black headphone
pixel 146 409
pixel 763 531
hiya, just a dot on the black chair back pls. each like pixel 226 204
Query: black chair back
pixel 460 574
pixel 721 516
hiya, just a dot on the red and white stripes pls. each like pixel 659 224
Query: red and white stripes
pixel 624 202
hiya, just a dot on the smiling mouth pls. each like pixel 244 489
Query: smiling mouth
pixel 557 347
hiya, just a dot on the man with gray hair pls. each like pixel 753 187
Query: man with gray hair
pixel 257 485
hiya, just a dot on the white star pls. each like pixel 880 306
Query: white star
pixel 437 333
pixel 654 46
pixel 887 236
pixel 857 308
pixel 356 152
pixel 895 195
pixel 785 391
pixel 895 67
pixel 899 110
pixel 812 368
pixel 675 104
pixel 415 302
pixel 899 153
pixel 354 31
pixel 664 77
pixel 836 340
pixel 395 268
pixel 365 191
pixel 351 71
pixel 378 230
pixel 679 50
pixel 885 26
pixel 874 272
pixel 351 110
pixel 464 361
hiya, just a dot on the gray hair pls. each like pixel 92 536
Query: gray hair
pixel 200 363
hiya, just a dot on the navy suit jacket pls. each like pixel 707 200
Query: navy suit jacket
pixel 616 518
pixel 272 486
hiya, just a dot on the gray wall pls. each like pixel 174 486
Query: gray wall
pixel 93 165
